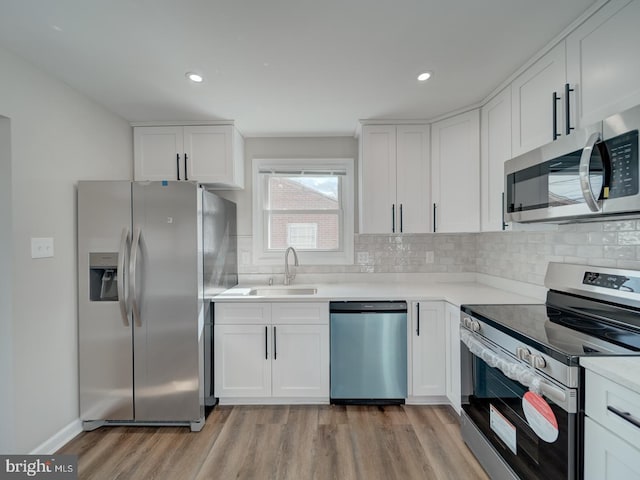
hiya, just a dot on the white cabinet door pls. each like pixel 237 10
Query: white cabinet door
pixel 158 153
pixel 495 143
pixel 532 101
pixel 602 61
pixel 378 179
pixel 607 456
pixel 300 365
pixel 242 361
pixel 212 155
pixel 456 173
pixel 203 153
pixel 452 314
pixel 413 179
pixel 428 349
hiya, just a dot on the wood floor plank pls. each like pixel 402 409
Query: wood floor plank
pixel 295 442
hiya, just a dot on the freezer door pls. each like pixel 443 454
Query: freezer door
pixel 104 326
pixel 166 301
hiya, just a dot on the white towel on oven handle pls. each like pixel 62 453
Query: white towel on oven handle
pixel 510 368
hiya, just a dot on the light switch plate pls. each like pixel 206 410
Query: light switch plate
pixel 41 247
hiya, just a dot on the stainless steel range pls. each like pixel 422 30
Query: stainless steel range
pixel 522 384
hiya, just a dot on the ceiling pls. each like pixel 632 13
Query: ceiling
pixel 283 67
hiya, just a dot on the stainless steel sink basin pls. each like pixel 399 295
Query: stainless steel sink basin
pixel 284 291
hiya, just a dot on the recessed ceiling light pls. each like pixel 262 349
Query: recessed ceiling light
pixel 423 77
pixel 194 77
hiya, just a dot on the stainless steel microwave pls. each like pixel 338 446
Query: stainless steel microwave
pixel 589 174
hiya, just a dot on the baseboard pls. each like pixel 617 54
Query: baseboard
pixel 273 401
pixel 58 440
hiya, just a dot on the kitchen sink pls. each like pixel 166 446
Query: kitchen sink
pixel 282 291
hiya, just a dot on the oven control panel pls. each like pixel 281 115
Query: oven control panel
pixel 611 281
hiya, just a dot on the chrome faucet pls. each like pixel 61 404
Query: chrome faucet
pixel 288 277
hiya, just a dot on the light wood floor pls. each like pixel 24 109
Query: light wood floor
pixel 286 442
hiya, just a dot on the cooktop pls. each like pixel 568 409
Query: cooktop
pixel 566 332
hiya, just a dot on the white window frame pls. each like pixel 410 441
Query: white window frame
pixel 342 256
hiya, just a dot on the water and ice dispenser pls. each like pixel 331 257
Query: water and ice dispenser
pixel 103 277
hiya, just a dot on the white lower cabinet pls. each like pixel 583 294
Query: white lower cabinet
pixel 612 434
pixel 242 366
pixel 266 351
pixel 300 355
pixel 452 366
pixel 428 349
pixel 607 456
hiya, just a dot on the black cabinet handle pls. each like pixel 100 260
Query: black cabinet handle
pixel 555 99
pixel 434 218
pixel 567 107
pixel 186 157
pixel 625 416
pixel 178 165
pixel 266 343
pixel 393 218
pixel 418 319
pixel 400 218
pixel 275 345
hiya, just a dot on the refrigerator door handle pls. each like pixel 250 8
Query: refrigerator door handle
pixel 135 247
pixel 123 298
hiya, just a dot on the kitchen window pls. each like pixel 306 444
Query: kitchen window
pixel 306 204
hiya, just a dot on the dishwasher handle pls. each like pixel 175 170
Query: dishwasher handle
pixel 392 306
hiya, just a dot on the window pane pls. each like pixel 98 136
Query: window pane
pixel 304 231
pixel 304 193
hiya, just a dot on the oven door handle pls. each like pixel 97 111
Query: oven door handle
pixel 511 369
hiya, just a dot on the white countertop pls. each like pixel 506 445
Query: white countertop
pixel 456 293
pixel 622 370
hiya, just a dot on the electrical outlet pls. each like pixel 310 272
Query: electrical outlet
pixel 41 247
pixel 429 257
pixel 362 257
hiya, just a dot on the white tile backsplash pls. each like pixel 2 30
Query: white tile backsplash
pixel 521 254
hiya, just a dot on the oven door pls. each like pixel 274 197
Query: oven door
pixel 538 444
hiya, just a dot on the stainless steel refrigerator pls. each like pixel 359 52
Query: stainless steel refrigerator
pixel 149 253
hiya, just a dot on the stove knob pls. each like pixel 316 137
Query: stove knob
pixel 466 321
pixel 475 326
pixel 538 361
pixel 523 354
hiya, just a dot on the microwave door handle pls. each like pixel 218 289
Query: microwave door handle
pixel 583 172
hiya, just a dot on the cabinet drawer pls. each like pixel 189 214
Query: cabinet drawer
pixel 606 456
pixel 242 313
pixel 603 398
pixel 300 313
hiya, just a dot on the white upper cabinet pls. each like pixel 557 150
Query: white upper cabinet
pixel 210 154
pixel 602 62
pixel 394 179
pixel 495 149
pixel 455 158
pixel 538 102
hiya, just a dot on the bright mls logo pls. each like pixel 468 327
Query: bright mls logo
pixel 50 467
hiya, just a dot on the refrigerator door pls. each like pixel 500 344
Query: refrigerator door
pixel 166 294
pixel 104 327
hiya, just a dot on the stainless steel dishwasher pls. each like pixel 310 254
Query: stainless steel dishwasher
pixel 368 352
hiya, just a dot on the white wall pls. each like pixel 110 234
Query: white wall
pixel 6 253
pixel 57 137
